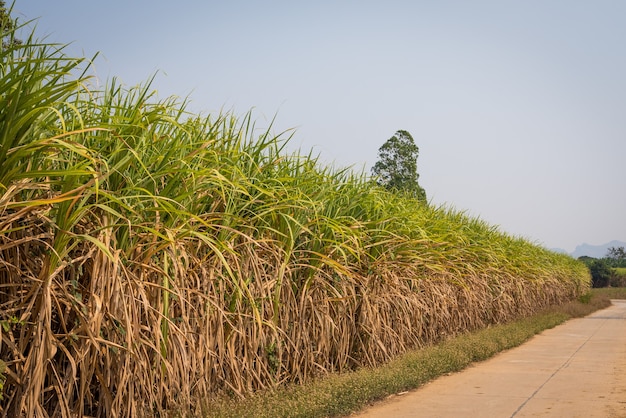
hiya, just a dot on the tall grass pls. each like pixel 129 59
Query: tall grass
pixel 150 257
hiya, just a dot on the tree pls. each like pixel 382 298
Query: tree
pixel 600 273
pixel 396 168
pixel 7 27
pixel 617 255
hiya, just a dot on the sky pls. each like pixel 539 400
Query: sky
pixel 518 107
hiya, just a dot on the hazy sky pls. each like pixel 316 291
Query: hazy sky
pixel 518 107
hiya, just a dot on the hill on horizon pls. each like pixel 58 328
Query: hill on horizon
pixel 596 251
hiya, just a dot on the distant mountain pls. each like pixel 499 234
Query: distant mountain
pixel 596 251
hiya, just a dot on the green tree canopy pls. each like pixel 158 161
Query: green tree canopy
pixel 617 256
pixel 600 273
pixel 396 168
pixel 7 27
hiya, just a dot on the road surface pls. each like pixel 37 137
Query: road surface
pixel 577 369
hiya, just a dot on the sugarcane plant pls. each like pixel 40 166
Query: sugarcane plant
pixel 150 257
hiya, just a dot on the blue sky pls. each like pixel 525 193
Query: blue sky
pixel 518 107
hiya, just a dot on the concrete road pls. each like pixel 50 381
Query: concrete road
pixel 577 369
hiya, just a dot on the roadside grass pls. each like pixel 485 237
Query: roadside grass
pixel 610 293
pixel 342 394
